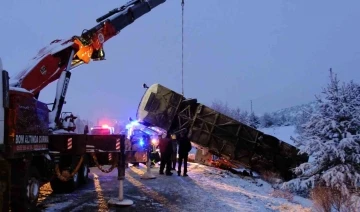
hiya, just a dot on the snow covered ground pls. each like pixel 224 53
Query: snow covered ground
pixel 206 189
pixel 283 133
pixel 220 190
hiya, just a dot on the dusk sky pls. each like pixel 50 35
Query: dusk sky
pixel 276 53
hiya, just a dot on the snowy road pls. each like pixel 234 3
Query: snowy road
pixel 206 189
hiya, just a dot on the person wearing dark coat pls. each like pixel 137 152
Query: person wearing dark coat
pixel 166 150
pixel 174 153
pixel 184 149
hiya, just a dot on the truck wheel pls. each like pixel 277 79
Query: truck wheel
pixel 84 172
pixel 69 186
pixel 73 183
pixel 25 187
pixel 33 187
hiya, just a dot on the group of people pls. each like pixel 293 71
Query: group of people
pixel 168 150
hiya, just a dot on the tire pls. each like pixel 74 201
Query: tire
pixel 73 183
pixel 69 186
pixel 25 186
pixel 84 171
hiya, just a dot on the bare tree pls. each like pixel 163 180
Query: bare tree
pixel 237 113
pixel 221 107
pixel 241 116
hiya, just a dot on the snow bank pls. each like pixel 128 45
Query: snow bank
pixel 240 194
pixel 19 89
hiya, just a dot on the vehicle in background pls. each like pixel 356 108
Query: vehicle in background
pixel 136 145
pixel 102 130
pixel 39 144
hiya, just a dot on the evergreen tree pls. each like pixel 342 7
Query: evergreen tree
pixel 254 120
pixel 331 137
pixel 235 114
pixel 302 118
pixel 244 117
pixel 267 120
pixel 284 121
pixel 277 120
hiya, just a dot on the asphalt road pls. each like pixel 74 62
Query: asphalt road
pixel 94 196
pixel 205 189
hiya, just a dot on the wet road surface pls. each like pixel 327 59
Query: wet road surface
pixel 165 193
pixel 94 196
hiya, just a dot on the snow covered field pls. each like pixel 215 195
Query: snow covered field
pixel 283 133
pixel 206 189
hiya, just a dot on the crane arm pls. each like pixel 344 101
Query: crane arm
pixel 65 55
pixel 55 61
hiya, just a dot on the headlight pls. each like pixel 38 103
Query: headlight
pixel 154 141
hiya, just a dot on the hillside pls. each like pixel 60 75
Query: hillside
pixel 291 115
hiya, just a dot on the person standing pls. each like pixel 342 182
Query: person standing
pixel 165 146
pixel 135 164
pixel 174 153
pixel 184 149
pixel 148 147
pixel 153 155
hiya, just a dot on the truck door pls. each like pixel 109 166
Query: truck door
pixel 5 166
pixel 4 101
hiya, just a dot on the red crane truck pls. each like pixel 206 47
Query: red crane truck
pixel 38 144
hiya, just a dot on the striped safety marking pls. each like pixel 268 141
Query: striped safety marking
pixel 110 156
pixel 69 143
pixel 118 144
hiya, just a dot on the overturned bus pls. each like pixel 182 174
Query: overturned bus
pixel 217 133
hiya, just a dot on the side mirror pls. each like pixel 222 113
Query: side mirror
pixel 86 129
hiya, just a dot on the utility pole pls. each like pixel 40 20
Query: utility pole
pixel 251 109
pixel 182 47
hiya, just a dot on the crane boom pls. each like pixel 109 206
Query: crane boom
pixel 55 61
pixel 52 60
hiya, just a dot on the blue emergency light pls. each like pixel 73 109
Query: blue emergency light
pixel 141 142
